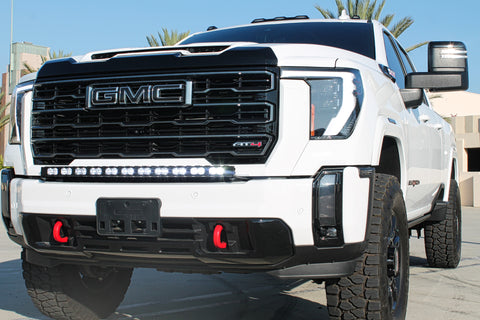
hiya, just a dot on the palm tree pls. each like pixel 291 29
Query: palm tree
pixel 51 55
pixel 167 38
pixel 369 10
pixel 28 68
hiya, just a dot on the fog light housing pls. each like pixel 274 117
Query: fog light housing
pixel 327 208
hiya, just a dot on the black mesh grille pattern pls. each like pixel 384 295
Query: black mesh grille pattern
pixel 231 117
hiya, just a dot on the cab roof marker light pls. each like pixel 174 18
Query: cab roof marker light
pixel 139 172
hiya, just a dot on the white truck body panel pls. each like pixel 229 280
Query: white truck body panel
pixel 281 187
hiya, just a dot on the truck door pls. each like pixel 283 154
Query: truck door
pixel 422 139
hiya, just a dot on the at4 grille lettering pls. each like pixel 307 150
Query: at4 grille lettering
pixel 248 144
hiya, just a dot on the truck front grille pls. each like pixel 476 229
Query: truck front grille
pixel 231 117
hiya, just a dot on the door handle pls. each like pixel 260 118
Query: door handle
pixel 424 118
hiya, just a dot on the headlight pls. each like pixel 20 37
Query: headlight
pixel 335 104
pixel 16 110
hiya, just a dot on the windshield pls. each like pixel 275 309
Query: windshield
pixel 356 37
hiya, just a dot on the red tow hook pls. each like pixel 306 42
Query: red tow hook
pixel 56 232
pixel 217 237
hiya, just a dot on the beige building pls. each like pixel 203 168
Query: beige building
pixel 25 53
pixel 22 53
pixel 462 110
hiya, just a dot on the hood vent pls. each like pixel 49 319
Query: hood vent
pixel 200 49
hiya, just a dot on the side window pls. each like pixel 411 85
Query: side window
pixel 407 63
pixel 394 62
pixel 409 67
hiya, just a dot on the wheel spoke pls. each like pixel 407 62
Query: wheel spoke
pixel 393 263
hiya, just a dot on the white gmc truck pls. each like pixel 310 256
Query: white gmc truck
pixel 302 148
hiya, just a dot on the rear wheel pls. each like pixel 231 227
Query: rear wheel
pixel 443 239
pixel 379 287
pixel 70 292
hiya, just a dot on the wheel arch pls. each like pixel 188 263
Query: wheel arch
pixel 391 158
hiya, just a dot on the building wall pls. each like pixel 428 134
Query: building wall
pixel 25 52
pixel 467 136
pixel 22 52
pixel 462 110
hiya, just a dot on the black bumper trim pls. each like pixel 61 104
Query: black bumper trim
pixel 307 263
pixel 316 270
pixel 185 245
pixel 254 243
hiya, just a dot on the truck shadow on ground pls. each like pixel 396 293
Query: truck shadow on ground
pixel 158 295
pixel 168 296
pixel 418 261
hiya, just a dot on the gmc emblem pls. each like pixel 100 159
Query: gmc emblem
pixel 146 94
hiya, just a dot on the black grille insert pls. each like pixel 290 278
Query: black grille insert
pixel 226 108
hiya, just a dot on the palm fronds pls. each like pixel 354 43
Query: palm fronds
pixel 166 38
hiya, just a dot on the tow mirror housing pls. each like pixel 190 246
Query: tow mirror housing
pixel 447 68
pixel 444 56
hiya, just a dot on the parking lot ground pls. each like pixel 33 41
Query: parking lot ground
pixel 438 294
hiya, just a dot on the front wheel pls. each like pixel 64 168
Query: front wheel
pixel 71 292
pixel 379 287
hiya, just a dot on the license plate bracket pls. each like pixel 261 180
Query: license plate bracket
pixel 129 217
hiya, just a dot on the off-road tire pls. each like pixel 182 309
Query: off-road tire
pixel 443 239
pixel 379 287
pixel 66 293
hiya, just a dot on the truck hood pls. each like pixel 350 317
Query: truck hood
pixel 201 55
pixel 286 54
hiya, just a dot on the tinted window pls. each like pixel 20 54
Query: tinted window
pixel 406 62
pixel 356 37
pixel 393 62
pixel 405 59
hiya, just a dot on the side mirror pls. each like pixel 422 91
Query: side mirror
pixel 447 68
pixel 444 56
pixel 412 97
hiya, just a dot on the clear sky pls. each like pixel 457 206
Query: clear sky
pixel 90 25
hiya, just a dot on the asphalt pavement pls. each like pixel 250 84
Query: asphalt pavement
pixel 438 294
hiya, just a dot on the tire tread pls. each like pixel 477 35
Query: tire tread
pixel 359 296
pixel 440 236
pixel 50 294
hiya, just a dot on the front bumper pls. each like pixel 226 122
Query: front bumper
pixel 287 199
pixel 271 221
